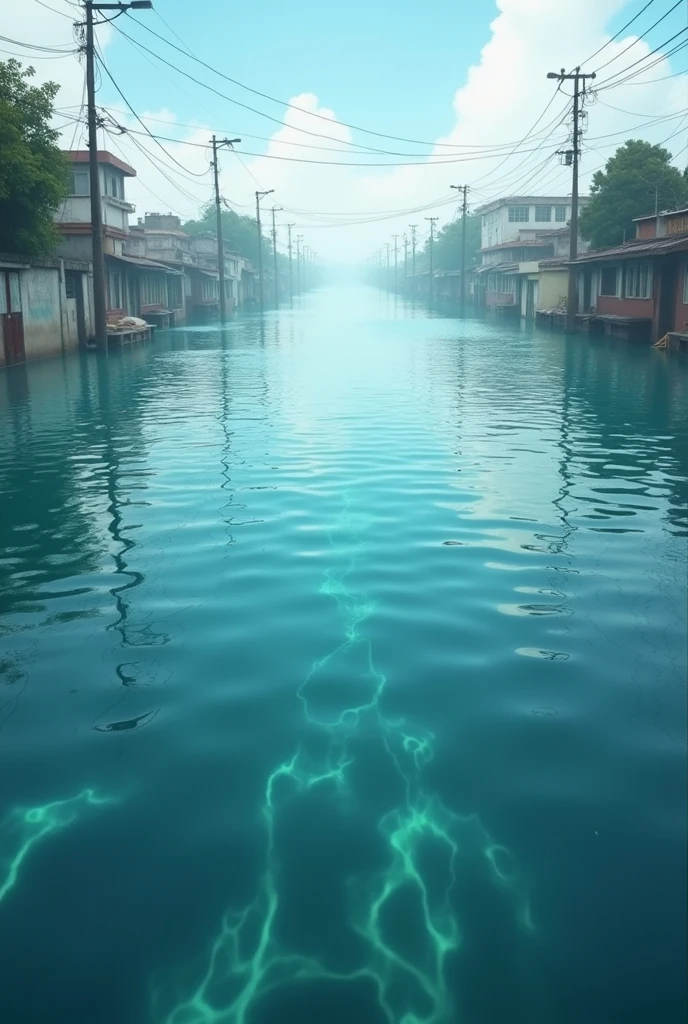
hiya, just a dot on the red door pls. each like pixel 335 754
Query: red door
pixel 11 317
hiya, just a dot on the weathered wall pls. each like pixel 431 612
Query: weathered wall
pixel 553 288
pixel 501 299
pixel 681 308
pixel 40 294
pixel 607 304
pixel 75 247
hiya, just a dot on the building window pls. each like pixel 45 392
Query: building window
pixel 543 213
pixel 174 290
pixel 116 289
pixel 113 186
pixel 519 214
pixel 609 281
pixel 560 214
pixel 78 183
pixel 153 290
pixel 638 281
pixel 685 286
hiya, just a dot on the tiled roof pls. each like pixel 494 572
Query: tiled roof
pixel 518 244
pixel 638 247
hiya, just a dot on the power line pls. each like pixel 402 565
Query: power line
pixel 195 174
pixel 45 49
pixel 617 34
pixel 637 40
pixel 487 150
pixel 284 103
pixel 605 84
pixel 61 13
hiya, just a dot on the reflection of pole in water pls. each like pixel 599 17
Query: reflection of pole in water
pixel 124 544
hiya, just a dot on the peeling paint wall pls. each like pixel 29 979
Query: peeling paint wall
pixel 41 312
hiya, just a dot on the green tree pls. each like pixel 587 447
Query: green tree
pixel 240 234
pixel 635 178
pixel 33 171
pixel 447 253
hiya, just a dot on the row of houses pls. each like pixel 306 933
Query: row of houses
pixel 635 290
pixel 154 270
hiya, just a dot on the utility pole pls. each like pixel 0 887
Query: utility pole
pixel 464 189
pixel 218 217
pixel 405 257
pixel 413 253
pixel 299 240
pixel 99 296
pixel 291 276
pixel 387 247
pixel 396 260
pixel 433 221
pixel 275 209
pixel 259 196
pixel 576 77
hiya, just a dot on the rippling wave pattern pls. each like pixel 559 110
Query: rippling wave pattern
pixel 343 675
pixel 248 959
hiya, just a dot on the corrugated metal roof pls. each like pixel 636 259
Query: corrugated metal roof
pixel 638 247
pixel 524 243
pixel 662 213
pixel 141 261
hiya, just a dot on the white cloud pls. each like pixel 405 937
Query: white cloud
pixel 498 101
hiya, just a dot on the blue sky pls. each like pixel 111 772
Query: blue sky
pixel 390 66
pixel 379 64
pixel 460 75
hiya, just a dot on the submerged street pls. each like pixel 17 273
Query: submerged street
pixel 342 674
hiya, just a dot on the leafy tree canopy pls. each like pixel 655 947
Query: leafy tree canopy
pixel 33 171
pixel 634 178
pixel 447 251
pixel 240 234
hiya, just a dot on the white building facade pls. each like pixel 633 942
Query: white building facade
pixel 522 217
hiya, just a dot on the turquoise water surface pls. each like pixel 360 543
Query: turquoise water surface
pixel 342 676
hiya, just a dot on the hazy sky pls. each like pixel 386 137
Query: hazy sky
pixel 463 76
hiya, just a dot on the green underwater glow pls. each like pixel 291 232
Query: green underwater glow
pixel 25 828
pixel 248 960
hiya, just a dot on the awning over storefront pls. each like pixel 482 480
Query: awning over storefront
pixel 144 264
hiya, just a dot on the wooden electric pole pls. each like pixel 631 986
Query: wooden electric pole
pixel 218 220
pixel 413 252
pixel 433 221
pixel 275 209
pixel 299 240
pixel 99 301
pixel 396 260
pixel 291 275
pixel 464 189
pixel 99 295
pixel 261 291
pixel 576 77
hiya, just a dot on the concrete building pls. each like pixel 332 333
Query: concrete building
pixel 522 217
pixel 639 289
pixel 135 285
pixel 45 307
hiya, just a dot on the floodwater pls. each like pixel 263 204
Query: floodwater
pixel 342 676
